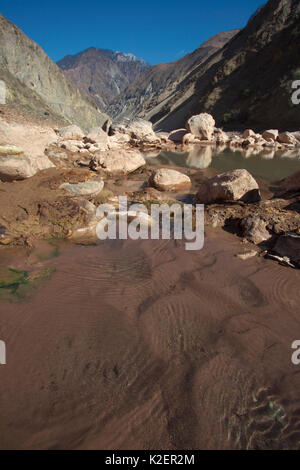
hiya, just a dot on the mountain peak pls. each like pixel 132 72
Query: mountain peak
pixel 102 73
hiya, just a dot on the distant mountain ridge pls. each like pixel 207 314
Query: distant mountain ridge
pixel 35 83
pixel 154 87
pixel 102 74
pixel 245 83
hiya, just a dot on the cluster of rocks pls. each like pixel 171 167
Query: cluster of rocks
pixel 230 198
pixel 271 138
pixel 97 147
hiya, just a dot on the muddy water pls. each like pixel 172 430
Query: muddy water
pixel 141 344
pixel 267 164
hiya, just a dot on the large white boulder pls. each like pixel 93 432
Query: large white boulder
pixel 202 125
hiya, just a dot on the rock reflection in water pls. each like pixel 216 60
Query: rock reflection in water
pixel 200 157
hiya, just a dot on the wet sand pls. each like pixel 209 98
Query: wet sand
pixel 143 345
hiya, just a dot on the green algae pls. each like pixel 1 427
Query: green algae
pixel 17 285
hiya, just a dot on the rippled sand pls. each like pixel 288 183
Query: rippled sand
pixel 143 345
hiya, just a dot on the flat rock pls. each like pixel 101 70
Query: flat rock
pixel 247 255
pixel 169 180
pixel 117 161
pixel 86 188
pixel 236 185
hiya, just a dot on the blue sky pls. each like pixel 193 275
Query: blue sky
pixel 157 31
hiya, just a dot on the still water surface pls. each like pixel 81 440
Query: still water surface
pixel 269 165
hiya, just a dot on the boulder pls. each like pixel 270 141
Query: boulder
pixel 271 134
pixel 136 129
pixel 86 188
pixel 202 125
pixel 166 179
pixel 21 167
pixel 250 141
pixel 221 136
pixel 70 133
pixel 178 135
pixel 296 135
pixel 97 136
pixel 254 229
pixel 287 138
pixel 71 145
pixel 190 139
pixel 163 136
pixel 236 185
pixel 117 161
pixel 248 133
pixel 118 140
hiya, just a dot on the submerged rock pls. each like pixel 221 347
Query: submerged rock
pixel 86 188
pixel 236 185
pixel 169 180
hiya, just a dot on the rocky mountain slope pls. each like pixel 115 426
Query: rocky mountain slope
pixel 102 74
pixel 248 83
pixel 37 85
pixel 155 86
